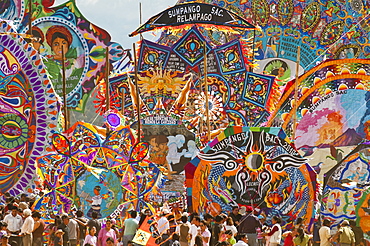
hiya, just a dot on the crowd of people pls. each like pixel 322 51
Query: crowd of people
pixel 20 226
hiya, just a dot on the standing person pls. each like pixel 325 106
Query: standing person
pixel 27 228
pixel 93 222
pixel 163 226
pixel 4 239
pixel 229 237
pixel 38 229
pixel 346 235
pixel 105 233
pixel 14 221
pixel 204 233
pixel 301 239
pixel 62 226
pixel 184 231
pixel 324 233
pixel 58 240
pixel 129 228
pixel 249 224
pixel 90 238
pixel 242 240
pixel 82 224
pixel 275 233
pixel 194 229
pixel 359 234
pixel 229 225
pixel 73 230
pixel 216 230
pixel 235 215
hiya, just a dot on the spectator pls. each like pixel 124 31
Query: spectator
pixel 14 222
pixel 324 233
pixel 204 233
pixel 105 233
pixel 129 228
pixel 242 240
pixel 90 238
pixel 346 235
pixel 216 230
pixel 82 225
pixel 359 234
pixel 235 216
pixel 73 230
pixel 249 224
pixel 58 240
pixel 38 229
pixel 94 222
pixel 184 231
pixel 301 239
pixel 27 228
pixel 275 233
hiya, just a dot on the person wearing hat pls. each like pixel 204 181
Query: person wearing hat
pixel 346 235
pixel 248 224
pixel 58 240
pixel 242 240
pixel 324 233
pixel 4 239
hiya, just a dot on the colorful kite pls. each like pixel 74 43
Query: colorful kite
pixel 28 112
pixel 252 166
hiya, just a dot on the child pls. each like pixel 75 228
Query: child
pixel 58 240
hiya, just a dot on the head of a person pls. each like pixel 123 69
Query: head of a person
pixel 14 210
pixel 79 213
pixel 65 219
pixel 203 225
pixel 36 216
pixel 92 230
pixel 184 219
pixel 344 223
pixel 196 220
pixel 276 220
pixel 27 212
pixel 94 215
pixel 3 225
pixel 242 237
pixel 175 237
pixel 108 224
pixel 59 233
pixel 228 234
pixel 235 210
pixel 299 221
pixel 130 243
pixel 59 38
pixel 218 219
pixel 326 222
pixel 300 232
pixel 109 241
pixel 4 239
pixel 229 221
pixel 133 214
pixel 208 217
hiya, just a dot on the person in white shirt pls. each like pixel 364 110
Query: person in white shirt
pixel 27 228
pixel 14 221
pixel 242 240
pixel 204 233
pixel 194 229
pixel 163 225
pixel 324 233
pixel 91 238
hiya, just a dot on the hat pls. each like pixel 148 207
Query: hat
pixel 59 231
pixel 242 210
pixel 3 235
pixel 248 208
pixel 344 223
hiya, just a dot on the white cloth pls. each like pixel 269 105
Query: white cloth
pixel 90 240
pixel 27 226
pixel 240 243
pixel 193 232
pixel 163 225
pixel 324 234
pixel 14 222
pixel 232 228
pixel 276 237
pixel 206 234
pixel 72 229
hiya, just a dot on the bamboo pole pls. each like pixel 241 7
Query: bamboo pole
pixel 296 93
pixel 137 95
pixel 30 20
pixel 66 113
pixel 123 104
pixel 107 95
pixel 206 93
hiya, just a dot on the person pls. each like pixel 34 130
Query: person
pixel 105 233
pixel 275 233
pixel 359 234
pixel 194 229
pixel 38 229
pixel 93 222
pixel 248 224
pixel 235 215
pixel 229 237
pixel 229 225
pixel 346 235
pixel 82 225
pixel 91 238
pixel 129 228
pixel 58 240
pixel 14 222
pixel 204 233
pixel 73 229
pixel 216 230
pixel 324 233
pixel 110 241
pixel 184 231
pixel 242 239
pixel 175 239
pixel 27 228
pixel 4 239
pixel 301 238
